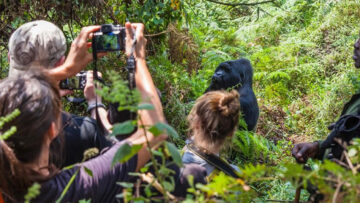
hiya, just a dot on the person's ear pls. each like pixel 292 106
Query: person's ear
pixel 53 131
pixel 60 62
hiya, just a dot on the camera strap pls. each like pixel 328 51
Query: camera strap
pixel 131 68
pixel 96 77
pixel 131 65
pixel 213 160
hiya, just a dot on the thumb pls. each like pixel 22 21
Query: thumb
pixel 129 36
pixel 301 155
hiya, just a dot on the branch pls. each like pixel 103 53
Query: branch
pixel 149 178
pixel 354 171
pixel 241 4
pixel 157 34
pixel 337 191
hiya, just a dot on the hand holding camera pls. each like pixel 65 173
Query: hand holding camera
pixel 118 38
pixel 89 90
pixel 109 38
pixel 74 83
pixel 135 30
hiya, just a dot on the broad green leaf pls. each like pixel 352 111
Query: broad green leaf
pixel 352 152
pixel 155 131
pixel 120 196
pixel 88 171
pixel 123 128
pixel 148 192
pixel 174 152
pixel 125 152
pixel 169 130
pixel 157 153
pixel 134 174
pixel 168 186
pixel 190 179
pixel 125 184
pixel 145 106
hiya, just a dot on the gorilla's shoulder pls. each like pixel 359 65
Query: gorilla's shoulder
pixel 243 61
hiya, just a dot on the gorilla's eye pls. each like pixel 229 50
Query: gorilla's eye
pixel 226 69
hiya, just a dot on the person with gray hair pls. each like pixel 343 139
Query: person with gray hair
pixel 41 44
pixel 36 44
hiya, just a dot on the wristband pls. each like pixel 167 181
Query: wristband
pixel 94 105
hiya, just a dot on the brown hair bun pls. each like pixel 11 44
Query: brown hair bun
pixel 215 115
pixel 229 103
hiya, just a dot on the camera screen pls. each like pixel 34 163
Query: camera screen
pixel 107 42
pixel 73 82
pixel 70 83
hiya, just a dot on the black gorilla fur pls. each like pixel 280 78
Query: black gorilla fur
pixel 238 74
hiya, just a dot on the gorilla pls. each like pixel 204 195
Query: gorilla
pixel 238 74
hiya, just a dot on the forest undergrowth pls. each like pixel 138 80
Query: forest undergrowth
pixel 301 52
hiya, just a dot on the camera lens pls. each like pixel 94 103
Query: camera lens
pixel 106 28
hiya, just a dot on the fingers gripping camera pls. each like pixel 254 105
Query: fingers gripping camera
pixel 109 38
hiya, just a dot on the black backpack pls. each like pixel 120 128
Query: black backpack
pixel 344 130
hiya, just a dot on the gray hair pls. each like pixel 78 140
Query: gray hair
pixel 36 44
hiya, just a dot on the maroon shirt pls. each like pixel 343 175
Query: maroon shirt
pixel 101 187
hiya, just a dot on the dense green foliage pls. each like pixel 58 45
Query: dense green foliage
pixel 301 53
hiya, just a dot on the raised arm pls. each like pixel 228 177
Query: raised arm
pixel 79 56
pixel 146 86
pixel 91 98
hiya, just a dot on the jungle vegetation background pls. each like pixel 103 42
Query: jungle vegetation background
pixel 301 52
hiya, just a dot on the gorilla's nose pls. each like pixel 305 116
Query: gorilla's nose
pixel 215 79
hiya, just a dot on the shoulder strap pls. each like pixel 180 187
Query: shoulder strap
pixel 213 160
pixel 351 106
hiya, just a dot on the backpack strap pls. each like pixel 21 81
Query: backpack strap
pixel 213 160
pixel 353 106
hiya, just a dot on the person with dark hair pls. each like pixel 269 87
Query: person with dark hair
pixel 321 149
pixel 343 131
pixel 24 156
pixel 213 118
pixel 41 44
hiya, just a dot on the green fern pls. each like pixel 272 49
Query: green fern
pixel 7 119
pixel 32 193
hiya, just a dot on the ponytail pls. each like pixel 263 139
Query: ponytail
pixel 215 115
pixel 38 100
pixel 15 177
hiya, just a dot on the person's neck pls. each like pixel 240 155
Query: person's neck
pixel 42 162
pixel 199 142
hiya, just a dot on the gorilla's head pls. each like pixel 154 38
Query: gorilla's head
pixel 231 74
pixel 356 56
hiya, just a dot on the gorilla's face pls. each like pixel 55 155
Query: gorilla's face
pixel 356 56
pixel 226 76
